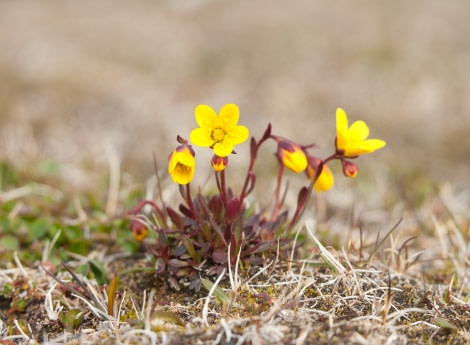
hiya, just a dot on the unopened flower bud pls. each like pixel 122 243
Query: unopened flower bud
pixel 139 229
pixel 349 169
pixel 291 155
pixel 219 163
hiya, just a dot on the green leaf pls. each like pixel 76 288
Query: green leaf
pixel 38 229
pixel 7 288
pixel 81 247
pixel 5 224
pixel 71 319
pixel 446 296
pixel 129 246
pixel 441 322
pixel 169 317
pixel 100 273
pixel 9 242
pixel 72 232
pixel 188 244
pixel 83 269
pixel 218 292
pixel 237 230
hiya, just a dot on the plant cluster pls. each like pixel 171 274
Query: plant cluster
pixel 211 232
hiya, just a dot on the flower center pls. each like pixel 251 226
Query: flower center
pixel 182 169
pixel 218 135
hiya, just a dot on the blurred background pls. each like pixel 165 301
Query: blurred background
pixel 81 78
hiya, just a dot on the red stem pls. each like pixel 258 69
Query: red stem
pixel 299 211
pixel 189 201
pixel 277 196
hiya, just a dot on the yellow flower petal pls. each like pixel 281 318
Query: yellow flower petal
pixel 359 130
pixel 295 161
pixel 325 181
pixel 238 134
pixel 341 128
pixel 206 117
pixel 185 157
pixel 224 148
pixel 341 120
pixel 201 137
pixel 228 116
pixel 182 174
pixel 371 145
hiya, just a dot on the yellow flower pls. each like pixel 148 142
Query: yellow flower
pixel 351 142
pixel 326 179
pixel 181 164
pixel 291 155
pixel 218 132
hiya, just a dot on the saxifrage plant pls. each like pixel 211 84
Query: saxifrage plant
pixel 209 232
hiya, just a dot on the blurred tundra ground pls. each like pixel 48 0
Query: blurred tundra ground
pixel 79 78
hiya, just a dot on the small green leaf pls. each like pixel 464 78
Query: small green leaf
pixel 82 269
pixel 446 296
pixel 191 250
pixel 5 224
pixel 441 322
pixel 9 242
pixel 81 247
pixel 72 232
pixel 71 319
pixel 20 305
pixel 218 292
pixel 38 228
pixel 7 288
pixel 129 246
pixel 100 273
pixel 169 317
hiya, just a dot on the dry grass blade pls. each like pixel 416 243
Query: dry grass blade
pixel 379 243
pixel 84 293
pixel 329 259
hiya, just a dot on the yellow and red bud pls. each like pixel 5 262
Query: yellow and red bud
pixel 139 229
pixel 219 163
pixel 291 155
pixel 181 164
pixel 349 169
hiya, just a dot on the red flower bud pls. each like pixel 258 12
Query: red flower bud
pixel 139 229
pixel 349 169
pixel 219 163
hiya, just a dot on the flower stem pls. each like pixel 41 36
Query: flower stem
pixel 190 203
pixel 141 204
pixel 277 196
pixel 221 186
pixel 247 179
pixel 223 190
pixel 254 153
pixel 301 207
